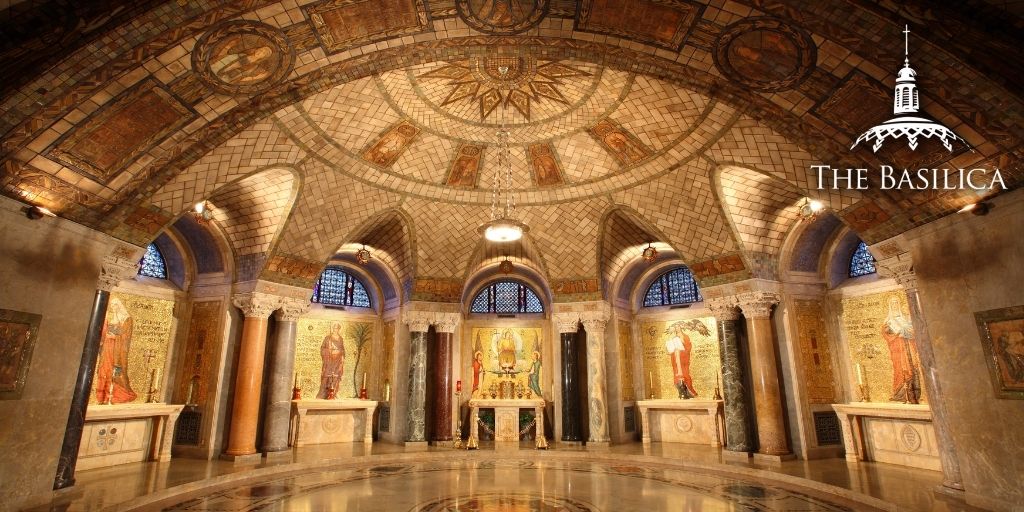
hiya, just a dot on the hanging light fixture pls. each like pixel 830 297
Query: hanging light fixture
pixel 363 255
pixel 503 226
pixel 650 253
pixel 810 208
pixel 202 212
pixel 505 266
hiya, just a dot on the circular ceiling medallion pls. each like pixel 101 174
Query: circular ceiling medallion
pixel 502 502
pixel 502 17
pixel 242 57
pixel 765 54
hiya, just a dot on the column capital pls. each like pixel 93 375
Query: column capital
pixel 900 268
pixel 121 264
pixel 256 305
pixel 446 322
pixel 292 309
pixel 757 304
pixel 723 308
pixel 566 322
pixel 418 321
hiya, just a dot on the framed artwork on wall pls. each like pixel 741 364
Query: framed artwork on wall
pixel 1002 337
pixel 18 333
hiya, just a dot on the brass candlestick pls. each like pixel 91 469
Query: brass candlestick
pixel 153 390
pixel 458 420
pixel 718 392
pixel 865 394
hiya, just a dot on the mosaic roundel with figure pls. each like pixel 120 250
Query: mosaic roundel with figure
pixel 765 54
pixel 242 57
pixel 502 17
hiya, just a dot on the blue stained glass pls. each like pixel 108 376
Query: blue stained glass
pixel 152 264
pixel 339 288
pixel 676 286
pixel 862 263
pixel 506 297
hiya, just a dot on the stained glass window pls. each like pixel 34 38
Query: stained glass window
pixel 339 288
pixel 676 286
pixel 506 297
pixel 862 263
pixel 152 264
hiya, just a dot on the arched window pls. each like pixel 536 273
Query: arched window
pixel 339 288
pixel 506 297
pixel 676 286
pixel 152 264
pixel 862 263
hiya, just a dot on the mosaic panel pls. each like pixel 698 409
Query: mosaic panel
pixel 661 23
pixel 621 144
pixel 387 364
pixel 346 23
pixel 765 54
pixel 815 352
pixel 465 167
pixel 133 343
pixel 507 353
pixel 858 103
pixel 546 171
pixel 626 362
pixel 390 145
pixel 881 339
pixel 198 367
pixel 332 353
pixel 502 17
pixel 242 57
pixel 678 353
pixel 108 140
pixel 437 290
pixel 18 334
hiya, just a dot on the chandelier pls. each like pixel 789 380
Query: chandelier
pixel 650 253
pixel 810 208
pixel 906 106
pixel 503 226
pixel 363 255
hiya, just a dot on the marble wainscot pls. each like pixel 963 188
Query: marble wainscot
pixel 894 433
pixel 682 421
pixel 332 421
pixel 123 433
pixel 506 420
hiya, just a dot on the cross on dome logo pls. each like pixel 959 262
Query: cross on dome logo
pixel 908 122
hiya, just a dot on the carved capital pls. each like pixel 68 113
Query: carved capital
pixel 566 322
pixel 900 268
pixel 594 326
pixel 724 309
pixel 757 304
pixel 418 321
pixel 120 265
pixel 446 322
pixel 292 309
pixel 256 305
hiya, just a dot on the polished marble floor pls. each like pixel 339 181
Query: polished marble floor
pixel 620 478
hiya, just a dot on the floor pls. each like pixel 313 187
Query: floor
pixel 566 479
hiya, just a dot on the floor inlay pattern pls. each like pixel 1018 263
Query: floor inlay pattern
pixel 510 486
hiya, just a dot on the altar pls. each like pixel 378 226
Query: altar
pixel 889 432
pixel 506 420
pixel 123 433
pixel 682 421
pixel 345 420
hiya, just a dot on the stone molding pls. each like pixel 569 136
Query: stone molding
pixel 724 309
pixel 256 305
pixel 566 322
pixel 418 321
pixel 900 268
pixel 292 309
pixel 594 315
pixel 446 322
pixel 757 304
pixel 121 264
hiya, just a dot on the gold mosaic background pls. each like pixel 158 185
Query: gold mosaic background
pixel 358 342
pixel 387 367
pixel 862 319
pixel 484 339
pixel 815 352
pixel 626 362
pixel 704 363
pixel 201 348
pixel 152 320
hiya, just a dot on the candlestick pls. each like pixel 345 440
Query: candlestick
pixel 860 374
pixel 650 375
pixel 387 390
pixel 296 380
pixel 191 388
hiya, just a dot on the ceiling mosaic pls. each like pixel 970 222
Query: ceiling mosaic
pixel 138 112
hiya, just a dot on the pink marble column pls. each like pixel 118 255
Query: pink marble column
pixel 444 329
pixel 245 409
pixel 771 426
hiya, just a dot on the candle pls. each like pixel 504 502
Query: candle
pixel 860 374
pixel 296 380
pixel 191 388
pixel 458 386
pixel 364 380
pixel 387 391
pixel 152 379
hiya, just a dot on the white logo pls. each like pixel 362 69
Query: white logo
pixel 907 121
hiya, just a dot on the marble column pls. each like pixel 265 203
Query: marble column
pixel 277 416
pixel 245 409
pixel 567 326
pixel 902 271
pixel 445 331
pixel 597 380
pixel 771 426
pixel 737 426
pixel 116 268
pixel 415 421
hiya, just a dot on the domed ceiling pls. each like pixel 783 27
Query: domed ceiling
pixel 318 126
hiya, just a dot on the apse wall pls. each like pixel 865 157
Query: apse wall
pixel 48 267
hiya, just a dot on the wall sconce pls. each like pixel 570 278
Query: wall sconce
pixel 202 212
pixel 979 208
pixel 37 212
pixel 810 208
pixel 650 253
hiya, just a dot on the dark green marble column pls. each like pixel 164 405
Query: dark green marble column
pixel 571 431
pixel 737 426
